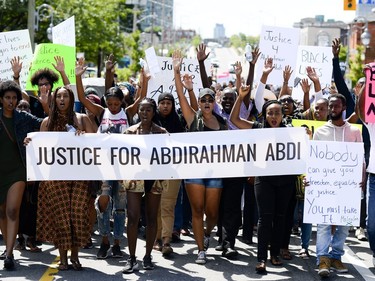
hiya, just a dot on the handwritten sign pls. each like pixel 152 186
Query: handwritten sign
pixel 319 58
pixel 313 124
pixel 334 171
pixel 65 33
pixel 163 81
pixel 370 94
pixel 44 58
pixel 281 44
pixel 15 43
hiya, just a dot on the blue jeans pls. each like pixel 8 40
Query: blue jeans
pixel 324 239
pixel 116 207
pixel 306 228
pixel 371 211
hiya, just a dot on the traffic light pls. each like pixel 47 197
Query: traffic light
pixel 350 5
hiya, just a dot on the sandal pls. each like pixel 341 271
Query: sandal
pixel 30 243
pixel 63 266
pixel 275 260
pixel 76 265
pixel 261 267
pixel 285 254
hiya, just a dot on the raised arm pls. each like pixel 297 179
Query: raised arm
pixel 286 76
pixel 187 82
pixel 94 108
pixel 60 67
pixel 16 68
pixel 267 69
pixel 235 113
pixel 360 104
pixel 306 93
pixel 311 73
pixel 202 56
pixel 109 72
pixel 187 110
pixel 132 109
pixel 238 72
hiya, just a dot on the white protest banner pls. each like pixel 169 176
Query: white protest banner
pixel 65 33
pixel 15 43
pixel 164 80
pixel 281 44
pixel 319 58
pixel 64 156
pixel 152 61
pixel 334 171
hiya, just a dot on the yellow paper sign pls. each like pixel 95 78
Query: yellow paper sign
pixel 350 5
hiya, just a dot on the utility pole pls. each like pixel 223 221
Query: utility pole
pixel 31 22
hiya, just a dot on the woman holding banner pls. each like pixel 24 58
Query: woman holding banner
pixel 14 127
pixel 63 218
pixel 204 194
pixel 272 193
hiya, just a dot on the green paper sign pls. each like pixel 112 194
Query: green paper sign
pixel 44 58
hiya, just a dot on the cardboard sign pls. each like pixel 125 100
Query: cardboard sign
pixel 15 44
pixel 65 33
pixel 334 173
pixel 44 58
pixel 281 44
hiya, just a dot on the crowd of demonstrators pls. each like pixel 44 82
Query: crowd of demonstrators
pixel 217 200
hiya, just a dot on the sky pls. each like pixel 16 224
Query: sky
pixel 247 16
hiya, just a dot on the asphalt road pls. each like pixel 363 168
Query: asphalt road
pixel 181 265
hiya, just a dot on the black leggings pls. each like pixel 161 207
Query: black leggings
pixel 273 194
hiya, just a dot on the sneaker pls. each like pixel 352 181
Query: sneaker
pixel 130 266
pixel 116 251
pixel 229 253
pixel 3 255
pixel 338 266
pixel 185 231
pixel 304 254
pixel 360 234
pixel 103 251
pixel 206 242
pixel 324 266
pixel 147 263
pixel 201 259
pixel 9 263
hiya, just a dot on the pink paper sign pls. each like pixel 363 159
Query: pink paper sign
pixel 370 94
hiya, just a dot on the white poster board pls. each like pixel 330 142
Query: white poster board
pixel 281 44
pixel 65 33
pixel 319 58
pixel 334 172
pixel 163 81
pixel 15 43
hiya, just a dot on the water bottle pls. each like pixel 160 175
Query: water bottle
pixel 248 54
pixel 70 128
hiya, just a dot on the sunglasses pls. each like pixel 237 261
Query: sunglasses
pixel 43 84
pixel 206 100
pixel 287 100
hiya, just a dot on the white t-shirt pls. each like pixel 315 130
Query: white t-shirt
pixel 113 123
pixel 371 131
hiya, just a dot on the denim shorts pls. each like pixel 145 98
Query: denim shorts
pixel 208 183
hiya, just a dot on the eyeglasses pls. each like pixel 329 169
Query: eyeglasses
pixel 206 100
pixel 43 84
pixel 287 100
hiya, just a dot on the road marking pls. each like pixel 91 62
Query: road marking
pixel 49 274
pixel 362 269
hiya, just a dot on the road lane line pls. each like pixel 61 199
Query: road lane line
pixel 49 274
pixel 362 269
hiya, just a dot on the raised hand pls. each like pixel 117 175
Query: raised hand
pixel 256 53
pixel 110 63
pixel 177 60
pixel 268 66
pixel 201 52
pixel 312 74
pixel 16 66
pixel 287 73
pixel 43 97
pixel 305 85
pixel 336 47
pixel 60 65
pixel 237 68
pixel 244 90
pixel 80 67
pixel 187 82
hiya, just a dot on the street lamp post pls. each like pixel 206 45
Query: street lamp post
pixel 44 12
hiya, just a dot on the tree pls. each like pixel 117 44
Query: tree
pixel 356 65
pixel 13 15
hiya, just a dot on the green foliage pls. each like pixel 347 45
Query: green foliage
pixel 123 74
pixel 356 65
pixel 13 15
pixel 133 48
pixel 197 39
pixel 240 40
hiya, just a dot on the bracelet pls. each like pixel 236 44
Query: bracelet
pixel 190 90
pixel 16 78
